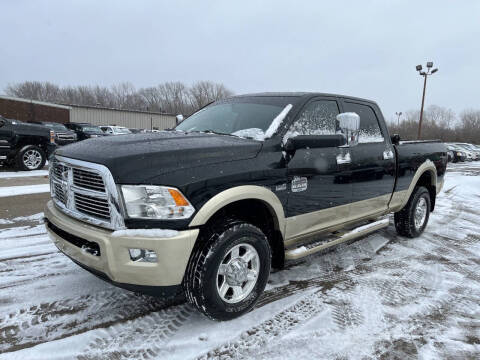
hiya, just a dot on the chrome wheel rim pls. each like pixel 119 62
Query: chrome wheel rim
pixel 238 273
pixel 420 213
pixel 32 159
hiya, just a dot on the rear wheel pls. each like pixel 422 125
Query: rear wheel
pixel 31 157
pixel 228 270
pixel 413 218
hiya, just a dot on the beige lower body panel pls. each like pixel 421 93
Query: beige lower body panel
pixel 301 226
pixel 173 253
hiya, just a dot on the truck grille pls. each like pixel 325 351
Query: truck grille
pixel 88 180
pixel 92 206
pixel 85 191
pixel 65 136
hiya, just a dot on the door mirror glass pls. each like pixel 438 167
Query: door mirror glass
pixel 349 124
pixel 314 142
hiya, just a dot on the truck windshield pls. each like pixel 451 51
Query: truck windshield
pixel 92 129
pixel 242 116
pixel 56 126
pixel 122 131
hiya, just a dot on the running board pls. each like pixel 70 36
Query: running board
pixel 312 248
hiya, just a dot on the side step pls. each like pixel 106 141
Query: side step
pixel 312 248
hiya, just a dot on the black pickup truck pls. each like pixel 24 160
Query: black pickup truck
pixel 63 136
pixel 242 185
pixel 27 146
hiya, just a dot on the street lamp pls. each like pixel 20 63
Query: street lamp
pixel 425 74
pixel 398 119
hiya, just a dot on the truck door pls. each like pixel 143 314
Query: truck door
pixel 6 134
pixel 318 186
pixel 373 162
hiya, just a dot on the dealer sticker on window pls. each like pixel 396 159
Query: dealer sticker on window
pixel 299 184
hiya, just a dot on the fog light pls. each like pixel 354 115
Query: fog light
pixel 143 255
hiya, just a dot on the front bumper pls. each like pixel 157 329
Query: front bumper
pixel 114 260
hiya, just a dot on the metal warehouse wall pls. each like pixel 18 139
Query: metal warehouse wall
pixel 130 119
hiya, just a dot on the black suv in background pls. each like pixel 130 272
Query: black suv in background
pixel 63 136
pixel 26 146
pixel 85 130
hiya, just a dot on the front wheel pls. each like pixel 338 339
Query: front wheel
pixel 413 218
pixel 228 270
pixel 31 157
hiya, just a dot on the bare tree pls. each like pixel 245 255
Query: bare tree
pixel 170 97
pixel 203 92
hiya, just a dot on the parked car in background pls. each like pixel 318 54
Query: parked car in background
pixel 85 130
pixel 470 148
pixel 115 130
pixel 63 136
pixel 25 146
pixel 450 155
pixel 136 131
pixel 458 154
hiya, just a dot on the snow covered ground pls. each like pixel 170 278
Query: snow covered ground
pixel 24 190
pixel 380 297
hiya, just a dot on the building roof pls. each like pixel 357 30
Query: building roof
pixel 70 106
pixel 35 102
pixel 117 109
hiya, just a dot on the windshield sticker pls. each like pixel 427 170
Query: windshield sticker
pixel 299 184
pixel 281 187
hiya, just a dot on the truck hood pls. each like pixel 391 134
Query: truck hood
pixel 137 158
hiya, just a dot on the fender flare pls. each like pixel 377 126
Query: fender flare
pixel 403 196
pixel 244 192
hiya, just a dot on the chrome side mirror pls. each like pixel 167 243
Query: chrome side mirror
pixel 179 118
pixel 349 124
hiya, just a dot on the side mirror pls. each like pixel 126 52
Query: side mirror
pixel 179 118
pixel 349 124
pixel 396 139
pixel 314 142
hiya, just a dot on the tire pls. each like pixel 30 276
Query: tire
pixel 30 157
pixel 204 282
pixel 405 220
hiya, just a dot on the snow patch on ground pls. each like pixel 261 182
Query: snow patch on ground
pixel 16 174
pixel 24 190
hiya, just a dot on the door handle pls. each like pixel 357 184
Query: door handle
pixel 387 155
pixel 344 159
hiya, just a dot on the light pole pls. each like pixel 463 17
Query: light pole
pixel 425 75
pixel 398 119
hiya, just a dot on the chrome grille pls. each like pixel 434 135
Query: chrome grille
pixel 88 180
pixel 59 193
pixel 85 191
pixel 65 136
pixel 92 206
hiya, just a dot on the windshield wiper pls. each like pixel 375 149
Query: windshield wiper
pixel 210 131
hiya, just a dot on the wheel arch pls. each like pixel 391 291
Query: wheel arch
pixel 252 203
pixel 426 175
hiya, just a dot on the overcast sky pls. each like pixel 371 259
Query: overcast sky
pixel 361 48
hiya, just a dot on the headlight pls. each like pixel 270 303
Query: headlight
pixel 459 154
pixel 156 202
